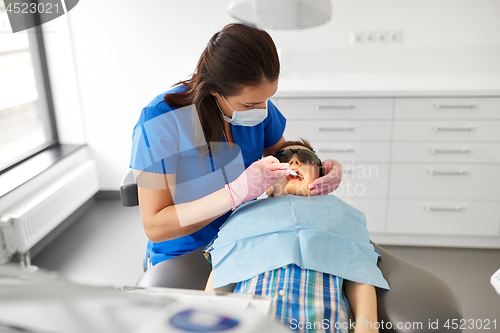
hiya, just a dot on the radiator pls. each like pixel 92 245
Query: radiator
pixel 29 221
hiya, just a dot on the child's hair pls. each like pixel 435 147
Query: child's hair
pixel 302 142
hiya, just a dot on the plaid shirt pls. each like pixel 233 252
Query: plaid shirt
pixel 303 300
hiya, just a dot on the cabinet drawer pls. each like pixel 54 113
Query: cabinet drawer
pixel 446 152
pixel 362 181
pixel 435 130
pixel 478 182
pixel 444 218
pixel 335 108
pixel 338 130
pixel 447 108
pixel 374 210
pixel 346 152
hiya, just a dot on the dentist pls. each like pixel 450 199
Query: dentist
pixel 189 138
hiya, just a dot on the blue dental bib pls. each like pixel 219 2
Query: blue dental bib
pixel 321 233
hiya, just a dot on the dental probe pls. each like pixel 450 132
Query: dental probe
pixel 293 173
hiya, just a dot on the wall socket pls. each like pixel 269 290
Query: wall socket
pixel 376 37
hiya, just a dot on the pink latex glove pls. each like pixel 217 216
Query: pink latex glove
pixel 256 179
pixel 330 181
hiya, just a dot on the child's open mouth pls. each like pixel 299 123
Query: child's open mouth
pixel 299 176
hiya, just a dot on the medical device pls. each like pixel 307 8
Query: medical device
pixel 495 281
pixel 293 173
pixel 42 302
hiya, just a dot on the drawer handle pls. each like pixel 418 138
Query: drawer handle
pixel 335 107
pixel 463 106
pixel 448 173
pixel 340 129
pixel 452 129
pixel 340 150
pixel 444 209
pixel 450 151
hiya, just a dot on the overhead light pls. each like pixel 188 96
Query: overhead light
pixel 281 14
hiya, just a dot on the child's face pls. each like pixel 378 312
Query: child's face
pixel 292 184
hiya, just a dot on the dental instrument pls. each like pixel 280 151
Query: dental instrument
pixel 293 173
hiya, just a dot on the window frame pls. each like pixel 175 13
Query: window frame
pixel 39 60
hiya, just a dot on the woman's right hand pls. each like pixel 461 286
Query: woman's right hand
pixel 256 179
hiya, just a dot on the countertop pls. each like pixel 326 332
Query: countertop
pixel 452 84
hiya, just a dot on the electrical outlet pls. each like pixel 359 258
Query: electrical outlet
pixel 396 37
pixel 376 37
pixel 358 38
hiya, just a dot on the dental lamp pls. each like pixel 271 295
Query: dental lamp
pixel 281 14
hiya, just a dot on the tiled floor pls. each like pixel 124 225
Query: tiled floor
pixel 106 247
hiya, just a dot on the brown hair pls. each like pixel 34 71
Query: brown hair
pixel 235 57
pixel 302 142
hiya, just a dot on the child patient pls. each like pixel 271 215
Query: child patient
pixel 299 250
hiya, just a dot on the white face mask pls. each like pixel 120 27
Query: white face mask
pixel 245 118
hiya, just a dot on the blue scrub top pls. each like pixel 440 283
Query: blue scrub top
pixel 167 140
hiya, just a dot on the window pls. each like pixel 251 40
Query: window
pixel 27 123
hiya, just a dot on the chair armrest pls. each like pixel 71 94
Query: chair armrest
pixel 416 296
pixel 187 271
pixel 128 190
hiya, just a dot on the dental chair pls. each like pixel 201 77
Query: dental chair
pixel 417 296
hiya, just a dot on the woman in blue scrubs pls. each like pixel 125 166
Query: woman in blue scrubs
pixel 198 147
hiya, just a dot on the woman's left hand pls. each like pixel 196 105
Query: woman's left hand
pixel 330 181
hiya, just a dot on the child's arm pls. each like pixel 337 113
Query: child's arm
pixel 208 287
pixel 363 301
pixel 229 288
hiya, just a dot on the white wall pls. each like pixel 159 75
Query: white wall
pixel 438 36
pixel 425 23
pixel 126 52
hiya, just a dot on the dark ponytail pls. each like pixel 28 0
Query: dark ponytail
pixel 238 56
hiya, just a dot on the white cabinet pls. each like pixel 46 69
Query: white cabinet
pixel 447 181
pixel 337 108
pixel 446 152
pixel 364 180
pixel 353 150
pixel 447 108
pixel 447 130
pixel 340 130
pixel 445 167
pixel 429 217
pixel 421 169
